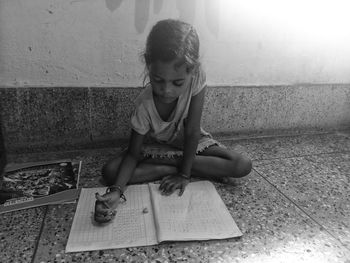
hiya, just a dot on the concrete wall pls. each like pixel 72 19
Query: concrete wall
pixel 3 156
pixel 70 118
pixel 98 42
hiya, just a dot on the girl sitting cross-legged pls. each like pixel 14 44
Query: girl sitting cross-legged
pixel 167 141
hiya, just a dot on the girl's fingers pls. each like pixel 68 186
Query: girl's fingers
pixel 104 218
pixel 167 192
pixel 101 209
pixel 182 189
pixel 166 178
pixel 101 218
pixel 104 212
pixel 161 186
pixel 101 198
pixel 105 208
pixel 170 183
pixel 164 181
pixel 166 187
pixel 172 188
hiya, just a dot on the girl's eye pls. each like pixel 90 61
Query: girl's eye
pixel 178 83
pixel 158 80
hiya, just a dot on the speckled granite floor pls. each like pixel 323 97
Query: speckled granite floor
pixel 293 207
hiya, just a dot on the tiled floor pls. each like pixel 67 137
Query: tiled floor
pixel 293 207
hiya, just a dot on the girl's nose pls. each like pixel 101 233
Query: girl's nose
pixel 166 87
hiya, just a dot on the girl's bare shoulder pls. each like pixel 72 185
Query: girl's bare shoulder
pixel 145 96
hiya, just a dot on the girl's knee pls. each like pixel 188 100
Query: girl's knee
pixel 248 166
pixel 243 166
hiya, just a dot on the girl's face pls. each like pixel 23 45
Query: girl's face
pixel 168 81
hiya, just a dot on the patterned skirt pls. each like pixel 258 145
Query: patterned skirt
pixel 173 150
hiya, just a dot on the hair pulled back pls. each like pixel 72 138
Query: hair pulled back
pixel 172 39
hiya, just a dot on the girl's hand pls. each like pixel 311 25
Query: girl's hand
pixel 105 206
pixel 172 182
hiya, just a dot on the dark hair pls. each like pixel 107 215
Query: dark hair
pixel 173 39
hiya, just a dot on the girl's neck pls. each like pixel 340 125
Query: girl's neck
pixel 164 110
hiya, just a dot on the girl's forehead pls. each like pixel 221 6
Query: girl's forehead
pixel 169 70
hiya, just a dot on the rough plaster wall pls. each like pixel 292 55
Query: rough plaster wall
pixel 98 42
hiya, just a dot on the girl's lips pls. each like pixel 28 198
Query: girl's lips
pixel 168 99
pixel 165 97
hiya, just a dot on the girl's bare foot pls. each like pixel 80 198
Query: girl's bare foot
pixel 229 180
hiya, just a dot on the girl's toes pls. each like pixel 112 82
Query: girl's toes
pixel 229 181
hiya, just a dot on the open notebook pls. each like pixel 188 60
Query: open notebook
pixel 199 214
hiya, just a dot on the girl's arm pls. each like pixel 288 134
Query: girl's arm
pixel 130 160
pixel 192 133
pixel 106 204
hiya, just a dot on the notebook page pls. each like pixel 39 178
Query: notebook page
pixel 199 214
pixel 130 228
